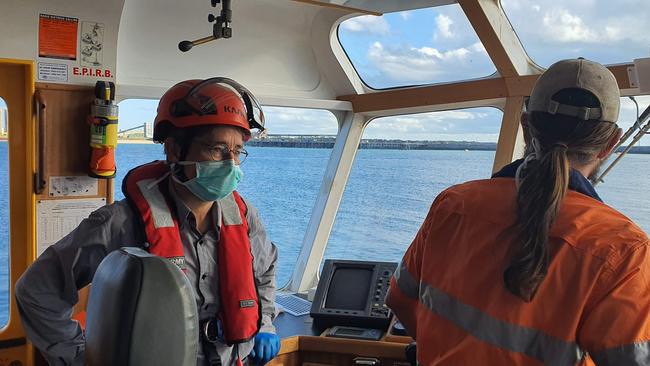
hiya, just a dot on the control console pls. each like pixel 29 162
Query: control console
pixel 353 293
pixel 378 308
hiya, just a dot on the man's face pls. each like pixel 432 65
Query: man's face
pixel 220 143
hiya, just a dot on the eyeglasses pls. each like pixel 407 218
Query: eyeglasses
pixel 222 151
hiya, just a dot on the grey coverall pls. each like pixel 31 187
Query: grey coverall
pixel 47 291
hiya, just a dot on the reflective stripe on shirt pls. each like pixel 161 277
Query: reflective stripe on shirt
pixel 529 341
pixel 630 354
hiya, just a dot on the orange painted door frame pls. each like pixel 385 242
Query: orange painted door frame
pixel 17 90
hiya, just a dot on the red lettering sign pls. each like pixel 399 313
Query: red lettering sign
pixel 86 71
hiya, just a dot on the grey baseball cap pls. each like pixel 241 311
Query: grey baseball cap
pixel 582 74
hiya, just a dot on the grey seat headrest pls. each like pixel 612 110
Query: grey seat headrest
pixel 141 311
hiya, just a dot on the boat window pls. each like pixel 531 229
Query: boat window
pixel 134 145
pixel 282 174
pixel 402 165
pixel 423 46
pixel 600 30
pixel 4 215
pixel 625 188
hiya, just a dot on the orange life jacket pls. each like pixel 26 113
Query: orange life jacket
pixel 240 310
pixel 594 303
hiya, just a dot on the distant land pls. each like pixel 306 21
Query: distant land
pixel 327 142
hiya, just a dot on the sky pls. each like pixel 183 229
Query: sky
pixel 3 115
pixel 436 45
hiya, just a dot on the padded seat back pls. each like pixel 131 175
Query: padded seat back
pixel 141 311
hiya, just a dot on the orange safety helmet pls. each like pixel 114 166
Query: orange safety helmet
pixel 214 101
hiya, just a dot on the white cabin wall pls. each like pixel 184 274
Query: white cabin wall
pixel 19 21
pixel 286 66
pixel 332 60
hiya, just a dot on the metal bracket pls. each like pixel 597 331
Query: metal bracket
pixel 632 76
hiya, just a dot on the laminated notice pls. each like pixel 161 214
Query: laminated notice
pixel 57 218
pixel 52 72
pixel 57 37
pixel 72 186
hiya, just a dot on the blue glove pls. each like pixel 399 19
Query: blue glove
pixel 267 346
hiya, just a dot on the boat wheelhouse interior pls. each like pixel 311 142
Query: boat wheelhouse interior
pixel 301 59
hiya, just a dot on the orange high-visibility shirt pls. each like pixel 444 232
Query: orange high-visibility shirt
pixel 594 304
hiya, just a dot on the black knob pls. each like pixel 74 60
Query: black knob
pixel 185 46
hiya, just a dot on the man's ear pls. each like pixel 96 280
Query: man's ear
pixel 613 141
pixel 172 150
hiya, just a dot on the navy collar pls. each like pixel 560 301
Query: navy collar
pixel 577 182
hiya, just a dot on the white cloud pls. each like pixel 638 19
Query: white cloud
pixel 476 124
pixel 419 52
pixel 367 24
pixel 568 27
pixel 478 47
pixel 412 64
pixel 399 124
pixel 444 24
pixel 613 33
pixel 281 120
pixel 406 15
pixel 605 31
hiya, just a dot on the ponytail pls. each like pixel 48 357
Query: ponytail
pixel 543 185
pixel 543 180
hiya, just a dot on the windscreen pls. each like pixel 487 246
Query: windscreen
pixel 349 288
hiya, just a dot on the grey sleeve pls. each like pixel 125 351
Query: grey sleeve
pixel 47 291
pixel 265 256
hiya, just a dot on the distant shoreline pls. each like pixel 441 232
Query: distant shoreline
pixel 135 141
pixel 377 145
pixel 405 145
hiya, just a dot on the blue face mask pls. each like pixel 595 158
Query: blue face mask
pixel 214 179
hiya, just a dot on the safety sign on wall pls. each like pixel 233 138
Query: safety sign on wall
pixel 79 45
pixel 72 186
pixel 57 37
pixel 57 218
pixel 92 43
pixel 52 72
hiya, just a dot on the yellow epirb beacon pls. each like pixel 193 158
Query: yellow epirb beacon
pixel 103 131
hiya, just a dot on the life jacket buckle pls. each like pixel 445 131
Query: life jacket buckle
pixel 212 330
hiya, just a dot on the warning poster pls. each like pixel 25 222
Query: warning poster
pixel 92 41
pixel 57 37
